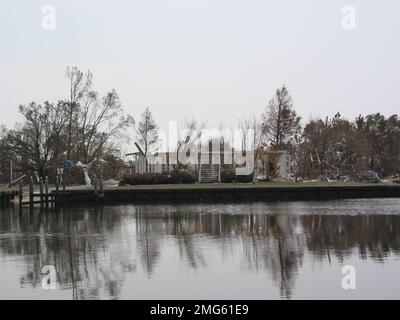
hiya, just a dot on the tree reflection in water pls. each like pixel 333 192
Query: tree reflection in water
pixel 95 249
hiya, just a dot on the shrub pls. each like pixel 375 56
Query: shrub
pixel 182 176
pixel 146 178
pixel 227 175
pixel 245 179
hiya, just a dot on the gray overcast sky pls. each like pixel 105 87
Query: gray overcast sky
pixel 216 60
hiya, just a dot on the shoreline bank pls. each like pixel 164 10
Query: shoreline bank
pixel 230 192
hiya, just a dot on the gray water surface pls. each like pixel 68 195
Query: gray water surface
pixel 293 250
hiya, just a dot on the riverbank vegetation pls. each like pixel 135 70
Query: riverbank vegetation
pixel 87 127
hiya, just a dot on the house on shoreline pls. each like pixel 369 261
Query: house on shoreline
pixel 209 163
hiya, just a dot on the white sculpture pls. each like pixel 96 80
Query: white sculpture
pixel 85 169
pixel 36 176
pixel 60 172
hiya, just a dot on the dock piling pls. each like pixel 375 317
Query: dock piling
pixel 31 192
pixel 41 191
pixel 20 194
pixel 46 190
pixel 101 186
pixel 63 183
pixel 57 190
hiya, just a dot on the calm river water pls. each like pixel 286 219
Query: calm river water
pixel 293 250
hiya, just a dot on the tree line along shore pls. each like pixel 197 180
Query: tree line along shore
pixel 85 127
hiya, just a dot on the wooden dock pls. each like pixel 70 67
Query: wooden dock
pixel 7 196
pixel 43 196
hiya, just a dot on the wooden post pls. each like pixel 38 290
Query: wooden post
pixel 20 195
pixel 57 190
pixel 31 191
pixel 101 194
pixel 46 190
pixel 41 190
pixel 11 173
pixel 219 170
pixel 101 186
pixel 63 180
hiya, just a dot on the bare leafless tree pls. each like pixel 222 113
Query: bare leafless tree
pixel 93 123
pixel 253 134
pixel 80 85
pixel 190 134
pixel 99 123
pixel 39 140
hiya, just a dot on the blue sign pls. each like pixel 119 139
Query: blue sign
pixel 69 164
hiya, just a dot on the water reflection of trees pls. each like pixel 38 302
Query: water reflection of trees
pixel 374 236
pixel 272 241
pixel 79 243
pixel 94 250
